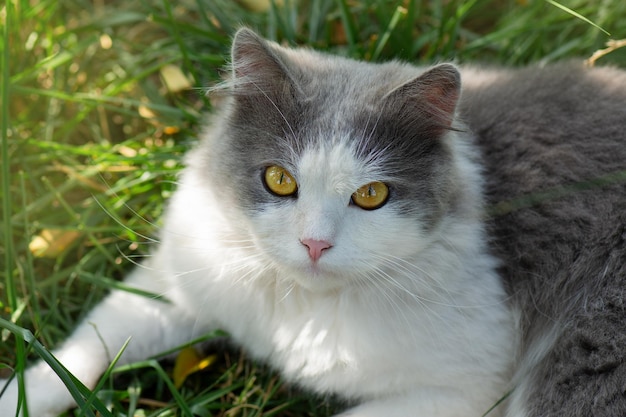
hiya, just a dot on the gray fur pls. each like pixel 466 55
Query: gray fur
pixel 554 145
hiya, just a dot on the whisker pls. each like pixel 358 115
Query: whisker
pixel 378 278
pixel 415 272
pixel 124 226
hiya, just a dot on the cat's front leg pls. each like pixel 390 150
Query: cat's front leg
pixel 152 326
pixel 435 402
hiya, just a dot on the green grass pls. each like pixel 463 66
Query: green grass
pixel 92 141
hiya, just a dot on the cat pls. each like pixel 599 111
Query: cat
pixel 341 222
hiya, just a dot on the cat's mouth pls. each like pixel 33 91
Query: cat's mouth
pixel 314 270
pixel 319 276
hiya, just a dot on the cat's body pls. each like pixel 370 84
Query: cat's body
pixel 397 307
pixel 555 159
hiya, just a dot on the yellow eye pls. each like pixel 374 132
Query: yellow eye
pixel 279 181
pixel 371 196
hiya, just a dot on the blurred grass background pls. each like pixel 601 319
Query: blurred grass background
pixel 100 100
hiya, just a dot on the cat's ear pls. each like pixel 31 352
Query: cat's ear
pixel 258 66
pixel 433 94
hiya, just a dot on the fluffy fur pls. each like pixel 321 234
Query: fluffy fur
pixel 404 313
pixel 555 155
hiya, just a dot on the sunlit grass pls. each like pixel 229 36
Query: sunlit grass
pixel 92 141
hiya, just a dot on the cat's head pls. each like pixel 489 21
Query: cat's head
pixel 344 170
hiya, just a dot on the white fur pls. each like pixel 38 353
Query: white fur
pixel 406 323
pixel 522 379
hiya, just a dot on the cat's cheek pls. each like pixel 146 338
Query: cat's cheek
pixel 276 237
pixel 385 232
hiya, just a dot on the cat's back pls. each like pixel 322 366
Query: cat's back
pixel 566 120
pixel 554 147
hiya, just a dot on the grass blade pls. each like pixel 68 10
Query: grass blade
pixel 349 26
pixel 398 14
pixel 577 15
pixel 76 388
pixel 12 299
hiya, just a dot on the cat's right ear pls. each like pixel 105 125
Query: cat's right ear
pixel 433 96
pixel 258 66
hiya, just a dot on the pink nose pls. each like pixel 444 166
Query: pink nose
pixel 316 247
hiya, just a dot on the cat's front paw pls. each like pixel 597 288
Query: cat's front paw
pixel 45 393
pixel 8 399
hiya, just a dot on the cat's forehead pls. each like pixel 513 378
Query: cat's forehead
pixel 343 103
pixel 336 166
pixel 335 82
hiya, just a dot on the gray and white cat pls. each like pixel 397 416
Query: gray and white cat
pixel 333 221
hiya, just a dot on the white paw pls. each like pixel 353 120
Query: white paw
pixel 8 400
pixel 45 393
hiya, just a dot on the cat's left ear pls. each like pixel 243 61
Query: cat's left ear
pixel 434 94
pixel 258 66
